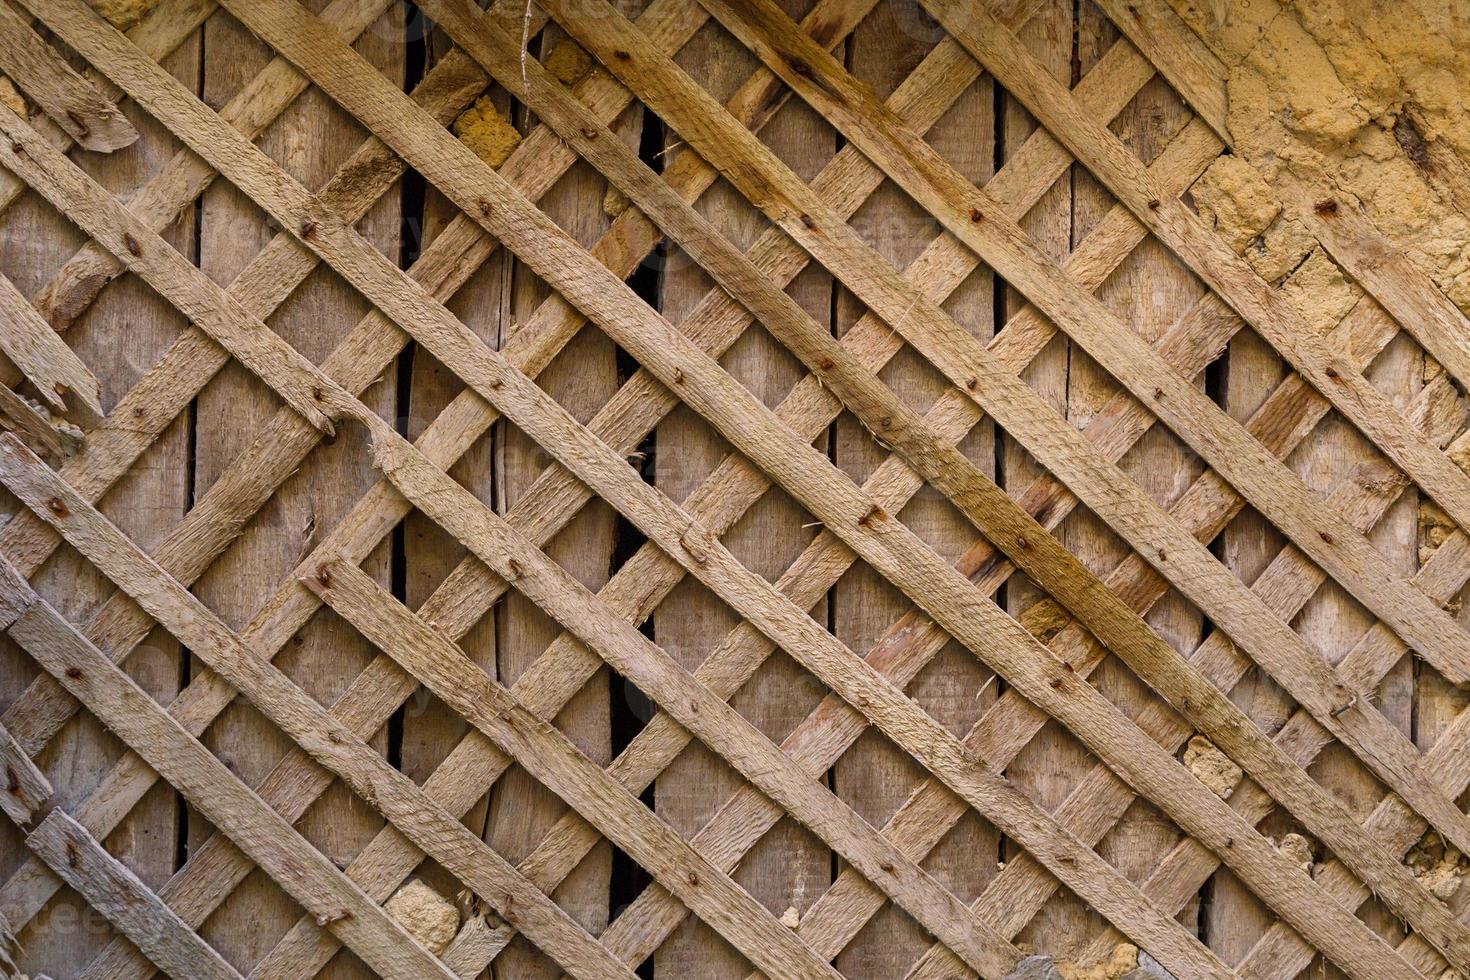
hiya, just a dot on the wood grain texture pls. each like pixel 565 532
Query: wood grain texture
pixel 983 478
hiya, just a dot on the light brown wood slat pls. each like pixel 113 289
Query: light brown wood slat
pixel 1268 484
pixel 26 789
pixel 273 844
pixel 765 940
pixel 1400 286
pixel 1231 278
pixel 228 412
pixel 47 362
pixel 127 903
pixel 68 98
pixel 324 737
pixel 162 31
pixel 39 432
pixel 1385 738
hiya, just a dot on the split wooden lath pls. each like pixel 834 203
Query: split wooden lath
pixel 706 492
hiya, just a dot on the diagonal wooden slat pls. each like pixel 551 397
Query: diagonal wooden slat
pixel 45 360
pixel 26 788
pixel 613 322
pixel 68 98
pixel 128 904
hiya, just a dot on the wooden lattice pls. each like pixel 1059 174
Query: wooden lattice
pixel 877 585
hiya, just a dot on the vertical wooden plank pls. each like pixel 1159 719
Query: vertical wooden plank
pixel 1048 767
pixel 874 776
pixel 789 868
pixel 428 728
pixel 311 139
pixel 581 378
pixel 1150 291
pixel 1331 621
pixel 119 337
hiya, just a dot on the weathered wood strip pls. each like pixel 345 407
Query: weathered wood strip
pixel 68 98
pixel 1193 69
pixel 127 903
pixel 26 789
pixel 47 362
pixel 43 435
